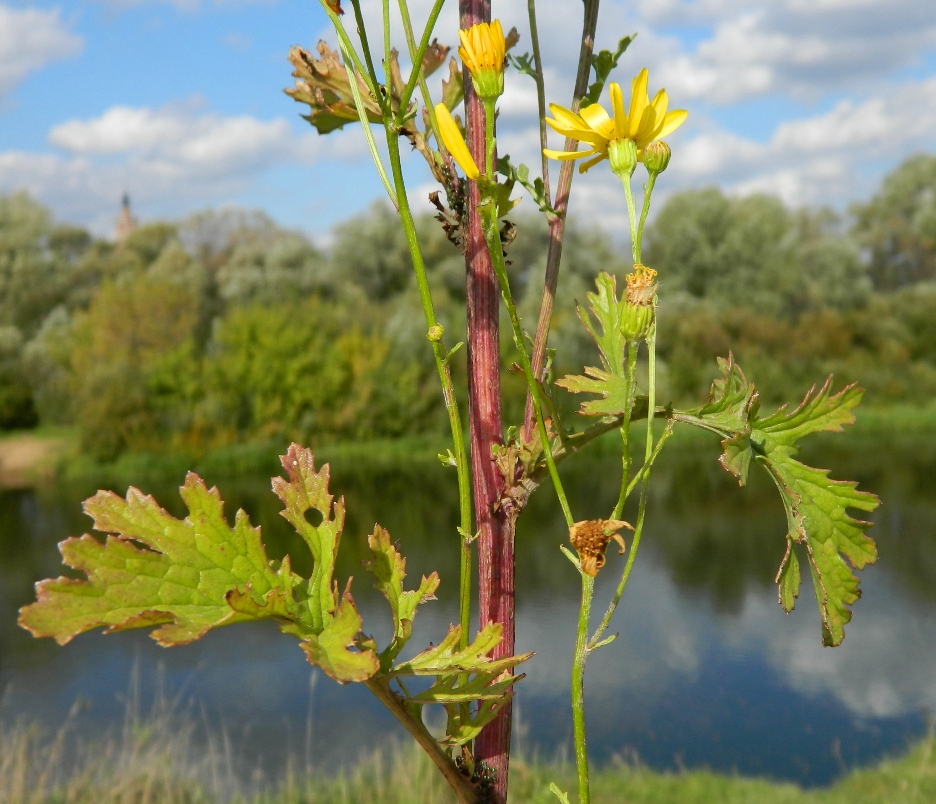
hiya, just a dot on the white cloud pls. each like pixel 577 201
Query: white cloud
pixel 795 48
pixel 182 5
pixel 30 39
pixel 171 158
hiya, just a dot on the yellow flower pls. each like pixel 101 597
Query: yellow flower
pixel 644 122
pixel 483 51
pixel 454 142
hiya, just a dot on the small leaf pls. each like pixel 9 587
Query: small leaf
pixel 389 568
pixel 554 789
pixel 607 310
pixel 603 63
pixel 463 725
pixel 454 689
pixel 445 658
pixel 788 579
pixel 330 649
pixel 521 175
pixel 523 64
pixel 611 387
pixel 307 490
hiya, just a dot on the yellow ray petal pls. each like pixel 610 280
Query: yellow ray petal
pixel 599 122
pixel 567 156
pixel 617 109
pixel 454 142
pixel 638 100
pixel 671 122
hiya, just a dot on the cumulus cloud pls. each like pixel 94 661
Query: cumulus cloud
pixel 173 157
pixel 795 48
pixel 30 39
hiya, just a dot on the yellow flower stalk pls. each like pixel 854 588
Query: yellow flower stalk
pixel 643 122
pixel 483 51
pixel 454 142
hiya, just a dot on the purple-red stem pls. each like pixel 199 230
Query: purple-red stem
pixel 495 536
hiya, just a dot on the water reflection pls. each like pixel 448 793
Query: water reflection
pixel 707 669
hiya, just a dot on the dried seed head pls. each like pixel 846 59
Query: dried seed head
pixel 590 537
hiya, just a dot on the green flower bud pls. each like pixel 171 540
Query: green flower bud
pixel 656 156
pixel 637 311
pixel 435 333
pixel 622 154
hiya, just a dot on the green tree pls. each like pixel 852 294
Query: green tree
pixel 118 347
pixel 898 225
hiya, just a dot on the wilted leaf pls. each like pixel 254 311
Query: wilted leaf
pixel 445 658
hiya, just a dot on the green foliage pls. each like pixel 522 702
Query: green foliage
pixel 898 225
pixel 187 577
pixel 753 253
pixel 815 505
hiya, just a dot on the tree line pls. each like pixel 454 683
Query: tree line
pixel 224 327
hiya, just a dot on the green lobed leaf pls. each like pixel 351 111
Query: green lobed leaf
pixel 458 689
pixel 611 387
pixel 389 568
pixel 816 506
pixel 307 490
pixel 154 569
pixel 607 310
pixel 463 725
pixel 445 658
pixel 330 648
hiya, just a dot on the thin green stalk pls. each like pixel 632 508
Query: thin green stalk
pixel 388 73
pixel 348 49
pixel 448 389
pixel 625 430
pixel 644 476
pixel 540 94
pixel 578 688
pixel 365 45
pixel 416 56
pixel 368 134
pixel 492 237
pixel 631 215
pixel 490 115
pixel 648 191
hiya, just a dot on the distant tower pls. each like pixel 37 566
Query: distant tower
pixel 126 223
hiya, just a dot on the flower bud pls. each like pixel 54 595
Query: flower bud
pixel 435 333
pixel 622 153
pixel 656 157
pixel 483 51
pixel 637 312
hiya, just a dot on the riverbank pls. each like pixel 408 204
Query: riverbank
pixel 159 762
pixel 32 457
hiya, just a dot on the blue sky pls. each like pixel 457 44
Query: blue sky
pixel 180 102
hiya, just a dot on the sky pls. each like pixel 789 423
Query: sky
pixel 180 104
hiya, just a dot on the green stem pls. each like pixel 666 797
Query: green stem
pixel 490 115
pixel 368 134
pixel 625 430
pixel 578 688
pixel 388 85
pixel 492 237
pixel 365 45
pixel 644 476
pixel 540 94
pixel 417 54
pixel 648 191
pixel 631 215
pixel 448 389
pixel 349 51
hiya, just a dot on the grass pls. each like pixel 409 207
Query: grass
pixel 160 758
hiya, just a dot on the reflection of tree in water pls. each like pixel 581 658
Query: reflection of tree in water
pixel 715 539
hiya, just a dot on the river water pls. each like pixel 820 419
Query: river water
pixel 707 671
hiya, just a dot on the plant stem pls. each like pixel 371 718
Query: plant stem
pixel 625 430
pixel 578 688
pixel 557 224
pixel 462 787
pixel 500 270
pixel 448 388
pixel 631 216
pixel 495 528
pixel 648 191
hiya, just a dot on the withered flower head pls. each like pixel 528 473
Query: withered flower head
pixel 591 537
